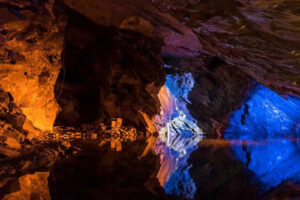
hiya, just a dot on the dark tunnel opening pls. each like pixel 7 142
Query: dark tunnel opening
pixel 107 72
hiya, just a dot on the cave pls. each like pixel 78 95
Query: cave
pixel 149 99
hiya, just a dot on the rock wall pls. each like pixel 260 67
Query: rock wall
pixel 30 50
pixel 141 16
pixel 245 41
pixel 31 186
pixel 11 120
pixel 108 73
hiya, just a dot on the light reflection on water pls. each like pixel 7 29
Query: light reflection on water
pixel 266 131
pixel 263 135
pixel 179 136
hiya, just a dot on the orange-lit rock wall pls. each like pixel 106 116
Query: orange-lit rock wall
pixel 167 105
pixel 31 60
pixel 32 186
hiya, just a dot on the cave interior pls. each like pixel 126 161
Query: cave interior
pixel 149 99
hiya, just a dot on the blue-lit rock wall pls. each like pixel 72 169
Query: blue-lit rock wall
pixel 179 137
pixel 265 132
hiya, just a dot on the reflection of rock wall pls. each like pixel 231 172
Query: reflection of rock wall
pixel 273 124
pixel 179 136
pixel 32 186
pixel 30 52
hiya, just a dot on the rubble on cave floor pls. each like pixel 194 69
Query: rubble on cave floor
pixel 35 159
pixel 103 148
pixel 64 141
pixel 101 133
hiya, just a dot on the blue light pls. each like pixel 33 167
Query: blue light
pixel 268 127
pixel 180 183
pixel 183 136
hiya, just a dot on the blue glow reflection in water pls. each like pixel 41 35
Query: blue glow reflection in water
pixel 268 126
pixel 179 137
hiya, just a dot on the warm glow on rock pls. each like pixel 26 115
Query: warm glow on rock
pixel 31 70
pixel 150 126
pixel 165 100
pixel 32 186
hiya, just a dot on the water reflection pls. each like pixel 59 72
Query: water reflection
pixel 266 130
pixel 179 136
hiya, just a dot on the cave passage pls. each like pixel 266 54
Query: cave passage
pixel 267 128
pixel 179 136
pixel 149 99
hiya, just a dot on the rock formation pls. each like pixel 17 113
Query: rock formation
pixel 32 186
pixel 68 68
pixel 113 73
pixel 31 46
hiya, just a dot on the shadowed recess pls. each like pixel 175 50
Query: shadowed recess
pixel 268 127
